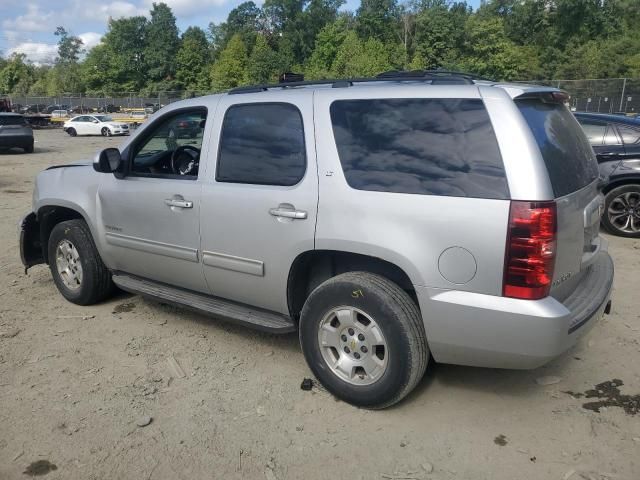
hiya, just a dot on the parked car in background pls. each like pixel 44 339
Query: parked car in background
pixel 15 132
pixel 616 142
pixel 387 220
pixel 108 108
pixel 95 125
pixel 52 108
pixel 36 108
pixel 59 113
pixel 81 109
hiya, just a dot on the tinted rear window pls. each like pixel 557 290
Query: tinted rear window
pixel 564 146
pixel 421 146
pixel 11 120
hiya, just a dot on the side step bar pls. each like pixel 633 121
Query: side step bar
pixel 208 305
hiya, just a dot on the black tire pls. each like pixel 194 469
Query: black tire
pixel 29 149
pixel 72 132
pixel 104 131
pixel 397 317
pixel 96 284
pixel 613 197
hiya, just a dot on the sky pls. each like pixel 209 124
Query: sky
pixel 27 26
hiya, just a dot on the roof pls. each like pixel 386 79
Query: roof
pixel 10 114
pixel 394 79
pixel 608 117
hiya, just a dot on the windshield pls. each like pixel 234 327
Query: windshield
pixel 104 118
pixel 564 146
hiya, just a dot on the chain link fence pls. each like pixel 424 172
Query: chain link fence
pixel 80 103
pixel 615 95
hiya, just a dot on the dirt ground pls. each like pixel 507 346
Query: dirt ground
pixel 76 381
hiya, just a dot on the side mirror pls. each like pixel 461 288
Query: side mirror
pixel 95 121
pixel 107 161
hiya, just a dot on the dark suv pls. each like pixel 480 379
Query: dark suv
pixel 616 142
pixel 15 132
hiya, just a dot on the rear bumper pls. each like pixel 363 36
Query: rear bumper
pixel 467 328
pixel 21 141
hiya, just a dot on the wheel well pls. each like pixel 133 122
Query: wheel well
pixel 620 183
pixel 312 268
pixel 49 217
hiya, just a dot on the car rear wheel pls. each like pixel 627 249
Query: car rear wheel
pixel 622 211
pixel 29 148
pixel 77 269
pixel 363 338
pixel 72 132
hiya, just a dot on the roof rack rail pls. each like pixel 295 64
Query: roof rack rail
pixel 436 77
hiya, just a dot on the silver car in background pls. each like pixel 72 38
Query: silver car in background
pixel 388 221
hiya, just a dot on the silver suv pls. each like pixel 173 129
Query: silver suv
pixel 388 221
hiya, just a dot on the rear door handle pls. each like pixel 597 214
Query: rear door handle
pixel 172 202
pixel 286 213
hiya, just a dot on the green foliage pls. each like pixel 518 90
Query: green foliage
pixel 503 39
pixel 230 69
pixel 161 44
pixel 263 63
pixel 16 76
pixel 192 60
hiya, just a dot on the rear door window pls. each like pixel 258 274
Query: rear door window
pixel 566 152
pixel 420 146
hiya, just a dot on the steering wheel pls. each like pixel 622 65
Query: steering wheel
pixel 185 160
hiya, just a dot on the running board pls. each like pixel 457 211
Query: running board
pixel 208 305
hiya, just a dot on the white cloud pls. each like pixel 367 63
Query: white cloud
pixel 188 7
pixel 90 39
pixel 38 53
pixel 35 20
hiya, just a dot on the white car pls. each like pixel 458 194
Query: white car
pixel 95 125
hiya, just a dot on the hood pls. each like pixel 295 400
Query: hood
pixel 82 163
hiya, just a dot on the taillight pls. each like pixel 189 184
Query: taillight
pixel 531 250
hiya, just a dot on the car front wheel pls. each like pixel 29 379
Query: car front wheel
pixel 77 269
pixel 363 338
pixel 622 211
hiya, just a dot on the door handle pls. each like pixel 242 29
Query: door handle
pixel 172 202
pixel 287 213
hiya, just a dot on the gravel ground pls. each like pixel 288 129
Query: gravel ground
pixel 76 383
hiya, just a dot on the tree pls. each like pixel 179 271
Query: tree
pixel 192 60
pixel 124 61
pixel 378 19
pixel 66 75
pixel 263 63
pixel 356 58
pixel 162 43
pixel 488 52
pixel 16 76
pixel 229 70
pixel 69 47
pixel 328 43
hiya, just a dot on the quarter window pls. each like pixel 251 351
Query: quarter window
pixel 594 131
pixel 262 144
pixel 421 146
pixel 629 135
